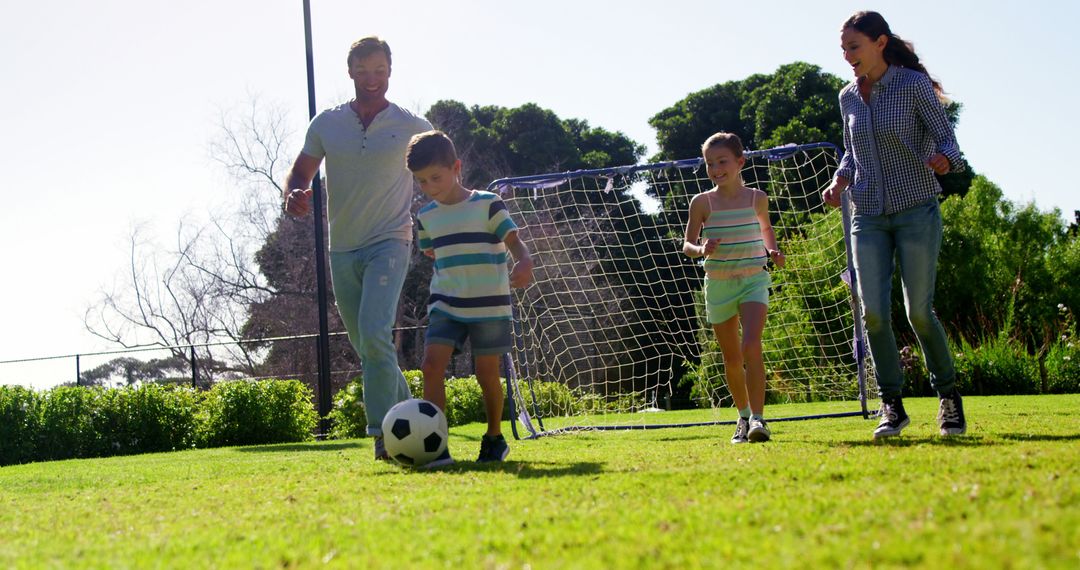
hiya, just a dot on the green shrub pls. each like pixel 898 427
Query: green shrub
pixel 1063 368
pixel 999 365
pixel 465 402
pixel 20 423
pixel 67 415
pixel 261 412
pixel 348 418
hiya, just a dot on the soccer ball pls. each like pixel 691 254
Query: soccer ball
pixel 414 432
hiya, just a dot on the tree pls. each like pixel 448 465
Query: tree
pixel 200 291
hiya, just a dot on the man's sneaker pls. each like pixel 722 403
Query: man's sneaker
pixel 380 449
pixel 741 430
pixel 759 431
pixel 493 448
pixel 893 418
pixel 950 415
pixel 442 460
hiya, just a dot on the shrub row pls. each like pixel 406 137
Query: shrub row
pixel 70 422
pixel 1001 365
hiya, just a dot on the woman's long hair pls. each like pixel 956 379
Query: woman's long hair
pixel 897 51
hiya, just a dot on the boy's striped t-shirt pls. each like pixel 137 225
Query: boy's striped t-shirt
pixel 471 281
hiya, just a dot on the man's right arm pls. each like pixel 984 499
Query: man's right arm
pixel 297 192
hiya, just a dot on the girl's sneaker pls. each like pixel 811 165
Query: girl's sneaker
pixel 742 428
pixel 759 431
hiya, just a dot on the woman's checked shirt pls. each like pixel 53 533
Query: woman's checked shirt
pixel 888 141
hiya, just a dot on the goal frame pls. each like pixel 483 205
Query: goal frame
pixel 532 422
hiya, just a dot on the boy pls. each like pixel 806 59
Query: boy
pixel 467 233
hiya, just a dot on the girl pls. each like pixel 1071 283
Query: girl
pixel 896 137
pixel 738 242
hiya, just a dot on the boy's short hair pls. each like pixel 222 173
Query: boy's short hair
pixel 730 141
pixel 366 46
pixel 428 148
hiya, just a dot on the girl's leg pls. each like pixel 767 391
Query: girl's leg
pixel 753 323
pixel 727 336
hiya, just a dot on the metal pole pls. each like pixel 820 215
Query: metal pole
pixel 194 370
pixel 325 403
pixel 78 372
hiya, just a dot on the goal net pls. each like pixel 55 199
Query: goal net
pixel 611 334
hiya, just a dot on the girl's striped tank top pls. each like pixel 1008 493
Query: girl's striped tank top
pixel 741 249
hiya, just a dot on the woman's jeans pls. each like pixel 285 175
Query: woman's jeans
pixel 367 286
pixel 913 237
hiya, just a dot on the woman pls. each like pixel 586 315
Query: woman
pixel 896 137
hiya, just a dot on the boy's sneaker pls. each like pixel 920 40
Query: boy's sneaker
pixel 493 448
pixel 741 429
pixel 380 449
pixel 893 418
pixel 441 461
pixel 759 431
pixel 950 416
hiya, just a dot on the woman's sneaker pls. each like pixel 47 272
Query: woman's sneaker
pixel 742 428
pixel 893 418
pixel 759 431
pixel 950 416
pixel 493 448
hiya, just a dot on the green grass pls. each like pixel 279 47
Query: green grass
pixel 821 494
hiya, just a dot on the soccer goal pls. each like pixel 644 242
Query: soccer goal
pixel 611 333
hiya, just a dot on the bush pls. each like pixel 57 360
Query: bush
pixel 348 418
pixel 1063 368
pixel 67 431
pixel 20 423
pixel 999 365
pixel 261 412
pixel 142 420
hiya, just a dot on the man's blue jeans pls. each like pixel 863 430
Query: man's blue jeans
pixel 367 286
pixel 912 237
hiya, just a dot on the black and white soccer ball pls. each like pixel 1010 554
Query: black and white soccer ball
pixel 415 432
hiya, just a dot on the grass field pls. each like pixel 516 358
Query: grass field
pixel 821 494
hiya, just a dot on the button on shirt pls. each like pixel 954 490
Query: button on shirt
pixel 888 141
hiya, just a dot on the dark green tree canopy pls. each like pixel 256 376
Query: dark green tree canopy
pixel 796 104
pixel 495 142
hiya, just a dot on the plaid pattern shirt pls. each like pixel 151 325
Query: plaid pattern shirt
pixel 888 141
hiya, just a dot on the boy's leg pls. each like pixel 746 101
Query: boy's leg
pixel 436 359
pixel 487 375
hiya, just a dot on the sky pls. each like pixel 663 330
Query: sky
pixel 108 109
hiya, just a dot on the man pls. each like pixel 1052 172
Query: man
pixel 369 192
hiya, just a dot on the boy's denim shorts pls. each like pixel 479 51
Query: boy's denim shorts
pixel 486 337
pixel 723 296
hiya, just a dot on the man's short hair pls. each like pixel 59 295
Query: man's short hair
pixel 367 46
pixel 430 148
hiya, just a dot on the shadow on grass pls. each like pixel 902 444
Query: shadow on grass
pixel 323 446
pixel 1039 437
pixel 908 441
pixel 522 469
